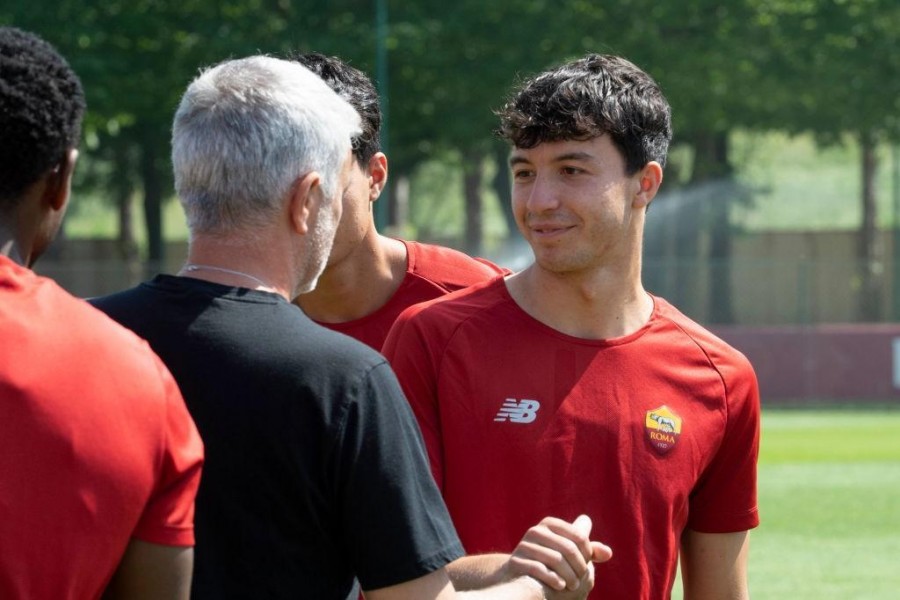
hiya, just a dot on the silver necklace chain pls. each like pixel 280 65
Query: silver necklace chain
pixel 191 267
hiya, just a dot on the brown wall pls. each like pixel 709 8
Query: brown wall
pixel 853 363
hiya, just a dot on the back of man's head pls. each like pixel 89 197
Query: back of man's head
pixel 355 87
pixel 595 95
pixel 245 131
pixel 41 107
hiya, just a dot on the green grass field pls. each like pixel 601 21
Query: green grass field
pixel 829 495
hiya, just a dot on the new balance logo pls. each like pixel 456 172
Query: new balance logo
pixel 523 411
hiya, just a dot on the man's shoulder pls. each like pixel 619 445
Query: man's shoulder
pixel 121 300
pixel 76 326
pixel 716 349
pixel 460 306
pixel 447 268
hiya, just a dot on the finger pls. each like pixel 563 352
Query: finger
pixel 600 552
pixel 538 571
pixel 546 564
pixel 583 525
pixel 588 579
pixel 566 537
pixel 568 552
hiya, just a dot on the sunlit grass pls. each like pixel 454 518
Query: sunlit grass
pixel 829 496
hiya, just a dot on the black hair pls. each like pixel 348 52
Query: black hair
pixel 586 98
pixel 41 107
pixel 357 89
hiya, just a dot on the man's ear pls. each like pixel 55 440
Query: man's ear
pixel 59 182
pixel 648 179
pixel 306 197
pixel 378 174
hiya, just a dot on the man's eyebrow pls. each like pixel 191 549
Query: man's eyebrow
pixel 517 159
pixel 573 156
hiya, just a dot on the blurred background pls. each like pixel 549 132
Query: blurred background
pixel 779 221
pixel 778 226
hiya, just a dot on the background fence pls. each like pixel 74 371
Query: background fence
pixel 793 301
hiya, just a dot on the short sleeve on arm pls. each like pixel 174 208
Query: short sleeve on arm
pixel 168 518
pixel 725 499
pixel 395 522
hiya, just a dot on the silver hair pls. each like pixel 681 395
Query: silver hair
pixel 245 131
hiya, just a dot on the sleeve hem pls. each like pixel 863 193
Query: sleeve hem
pixel 419 568
pixel 170 536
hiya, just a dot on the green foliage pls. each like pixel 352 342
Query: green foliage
pixel 798 185
pixel 823 66
pixel 832 65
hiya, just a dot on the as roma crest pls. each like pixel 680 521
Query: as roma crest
pixel 663 427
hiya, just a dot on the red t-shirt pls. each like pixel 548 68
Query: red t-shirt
pixel 96 446
pixel 648 434
pixel 431 272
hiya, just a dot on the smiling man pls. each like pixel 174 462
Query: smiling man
pixel 567 387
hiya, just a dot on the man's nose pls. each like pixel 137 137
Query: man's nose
pixel 543 195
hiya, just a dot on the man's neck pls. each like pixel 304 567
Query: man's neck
pixel 233 263
pixel 604 304
pixel 17 230
pixel 359 284
pixel 10 249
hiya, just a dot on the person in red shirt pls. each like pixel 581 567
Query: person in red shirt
pixel 567 387
pixel 99 460
pixel 371 278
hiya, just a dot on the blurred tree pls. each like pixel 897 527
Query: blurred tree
pixel 136 57
pixel 825 66
pixel 833 69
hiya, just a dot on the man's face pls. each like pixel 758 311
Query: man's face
pixel 356 216
pixel 573 203
pixel 322 233
pixel 60 184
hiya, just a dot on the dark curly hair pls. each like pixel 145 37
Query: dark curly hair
pixel 589 97
pixel 41 107
pixel 357 89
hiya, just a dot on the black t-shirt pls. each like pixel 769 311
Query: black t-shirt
pixel 315 470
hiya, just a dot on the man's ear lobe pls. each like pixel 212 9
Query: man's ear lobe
pixel 59 181
pixel 378 173
pixel 306 195
pixel 649 180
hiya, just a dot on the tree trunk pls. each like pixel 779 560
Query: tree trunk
pixel 704 209
pixel 473 174
pixel 712 169
pixel 400 206
pixel 501 185
pixel 870 283
pixel 123 189
pixel 153 193
pixel 895 233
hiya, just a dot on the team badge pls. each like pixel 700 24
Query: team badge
pixel 663 427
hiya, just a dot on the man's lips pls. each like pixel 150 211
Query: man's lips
pixel 549 229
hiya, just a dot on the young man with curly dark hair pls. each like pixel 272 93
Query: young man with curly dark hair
pixel 99 460
pixel 568 387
